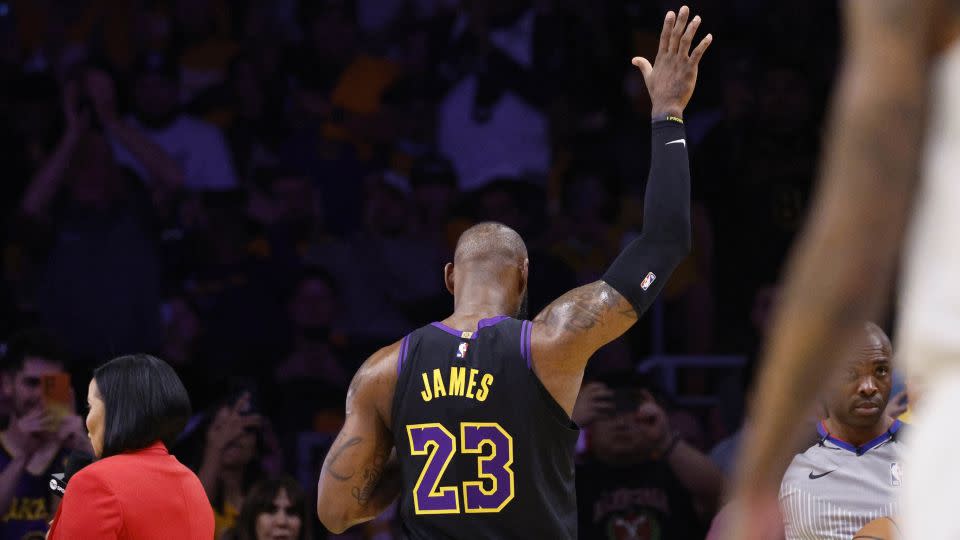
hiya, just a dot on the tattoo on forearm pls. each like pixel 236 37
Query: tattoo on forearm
pixel 336 456
pixel 370 478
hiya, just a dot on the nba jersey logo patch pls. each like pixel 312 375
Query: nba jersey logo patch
pixel 648 281
pixel 896 474
pixel 462 350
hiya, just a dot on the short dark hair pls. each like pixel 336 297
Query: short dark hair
pixel 260 500
pixel 31 342
pixel 144 402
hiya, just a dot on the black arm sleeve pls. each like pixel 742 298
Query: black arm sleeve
pixel 645 265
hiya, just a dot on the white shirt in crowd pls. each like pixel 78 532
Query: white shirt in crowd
pixel 199 148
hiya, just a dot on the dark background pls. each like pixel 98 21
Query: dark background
pixel 334 149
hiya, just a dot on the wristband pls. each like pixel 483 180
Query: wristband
pixel 668 117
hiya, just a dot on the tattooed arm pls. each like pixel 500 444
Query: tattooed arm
pixel 842 267
pixel 360 477
pixel 568 331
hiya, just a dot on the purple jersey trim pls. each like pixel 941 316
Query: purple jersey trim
pixel 870 445
pixel 526 330
pixel 403 353
pixel 481 324
pixel 447 329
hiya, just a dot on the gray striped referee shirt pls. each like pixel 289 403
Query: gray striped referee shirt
pixel 833 489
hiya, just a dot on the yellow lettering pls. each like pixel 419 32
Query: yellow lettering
pixel 473 382
pixel 438 386
pixel 27 509
pixel 13 512
pixel 458 377
pixel 485 382
pixel 426 395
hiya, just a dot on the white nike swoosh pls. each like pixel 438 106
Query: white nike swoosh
pixel 681 141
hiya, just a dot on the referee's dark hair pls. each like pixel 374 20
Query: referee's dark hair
pixel 144 402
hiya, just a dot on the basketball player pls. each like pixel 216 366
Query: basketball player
pixel 902 57
pixel 477 407
pixel 853 473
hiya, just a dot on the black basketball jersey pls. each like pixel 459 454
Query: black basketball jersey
pixel 485 451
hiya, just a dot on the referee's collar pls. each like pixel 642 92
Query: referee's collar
pixel 859 450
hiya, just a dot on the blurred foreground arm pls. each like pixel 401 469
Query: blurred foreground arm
pixel 841 270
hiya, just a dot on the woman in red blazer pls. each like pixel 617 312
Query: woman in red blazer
pixel 135 489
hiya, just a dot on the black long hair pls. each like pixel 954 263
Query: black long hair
pixel 144 402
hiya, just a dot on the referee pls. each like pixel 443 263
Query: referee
pixel 852 475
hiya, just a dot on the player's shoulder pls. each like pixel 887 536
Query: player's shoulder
pixel 383 361
pixel 375 381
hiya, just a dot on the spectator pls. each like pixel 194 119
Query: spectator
pixel 231 280
pixel 492 121
pixel 37 438
pixel 203 36
pixel 231 459
pixel 435 195
pixel 197 147
pixel 639 478
pixel 315 375
pixel 587 233
pixel 90 225
pixel 181 348
pixel 852 475
pixel 386 265
pixel 275 509
pixel 253 98
pixel 291 210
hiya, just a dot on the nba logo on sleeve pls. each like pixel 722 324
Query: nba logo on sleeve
pixel 896 474
pixel 462 350
pixel 648 281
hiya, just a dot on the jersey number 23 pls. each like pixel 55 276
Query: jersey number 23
pixel 494 449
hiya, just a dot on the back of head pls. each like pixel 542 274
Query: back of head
pixel 490 244
pixel 144 400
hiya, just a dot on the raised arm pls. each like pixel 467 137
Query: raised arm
pixel 163 170
pixel 842 267
pixel 49 178
pixel 360 476
pixel 573 327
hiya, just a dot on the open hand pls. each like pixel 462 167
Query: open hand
pixel 230 423
pixel 671 79
pixel 36 423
